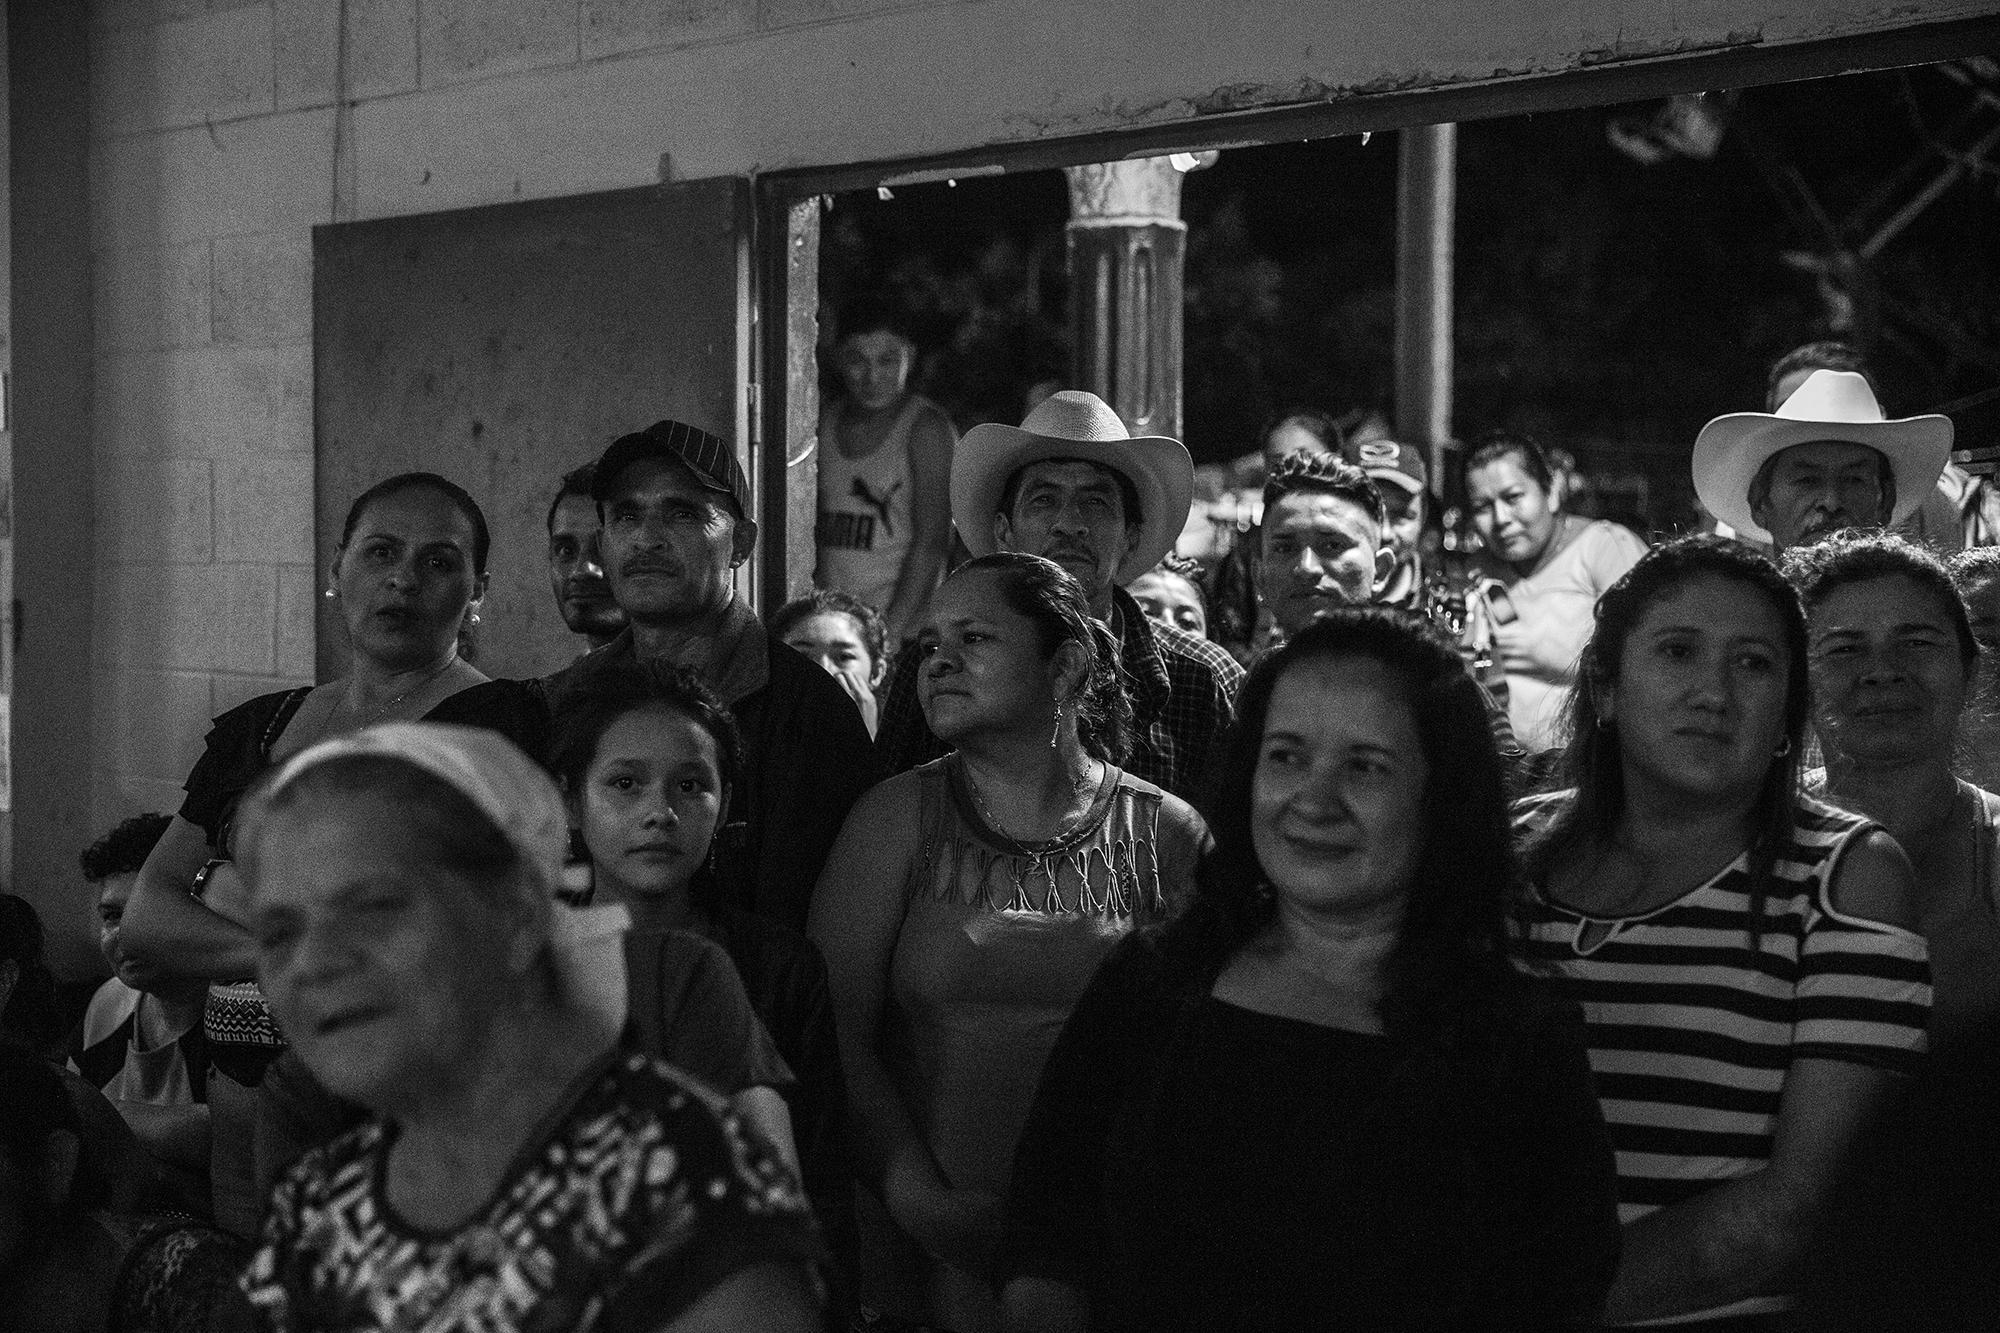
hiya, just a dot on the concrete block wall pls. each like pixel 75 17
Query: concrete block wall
pixel 222 131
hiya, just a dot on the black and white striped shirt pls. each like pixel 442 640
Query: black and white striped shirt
pixel 1692 1029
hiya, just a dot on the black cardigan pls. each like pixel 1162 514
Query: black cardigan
pixel 1489 1148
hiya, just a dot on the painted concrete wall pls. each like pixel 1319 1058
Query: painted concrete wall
pixel 215 145
pixel 50 351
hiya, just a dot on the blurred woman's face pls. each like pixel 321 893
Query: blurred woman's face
pixel 1699 703
pixel 405 578
pixel 649 804
pixel 1513 512
pixel 1888 682
pixel 982 664
pixel 385 969
pixel 1336 807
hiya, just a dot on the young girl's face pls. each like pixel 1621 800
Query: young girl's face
pixel 650 803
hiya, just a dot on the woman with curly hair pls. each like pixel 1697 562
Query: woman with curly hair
pixel 1322 1097
pixel 966 904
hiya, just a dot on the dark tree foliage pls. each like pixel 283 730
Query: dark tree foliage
pixel 1608 306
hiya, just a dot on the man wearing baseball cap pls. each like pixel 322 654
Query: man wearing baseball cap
pixel 1070 483
pixel 1399 473
pixel 676 511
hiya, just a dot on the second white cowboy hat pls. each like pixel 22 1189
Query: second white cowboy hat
pixel 1830 405
pixel 1073 424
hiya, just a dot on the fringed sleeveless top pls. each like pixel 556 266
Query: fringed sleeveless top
pixel 998 941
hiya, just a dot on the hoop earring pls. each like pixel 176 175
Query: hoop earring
pixel 1783 749
pixel 472 618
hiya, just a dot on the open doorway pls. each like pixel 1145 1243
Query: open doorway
pixel 1623 272
pixel 1625 269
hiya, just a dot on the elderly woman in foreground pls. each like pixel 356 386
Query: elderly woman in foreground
pixel 521 1171
pixel 1321 1097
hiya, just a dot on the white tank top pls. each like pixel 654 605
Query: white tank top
pixel 863 525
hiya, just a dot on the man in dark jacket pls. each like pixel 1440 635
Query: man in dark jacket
pixel 676 509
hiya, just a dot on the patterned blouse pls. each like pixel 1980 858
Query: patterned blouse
pixel 644 1195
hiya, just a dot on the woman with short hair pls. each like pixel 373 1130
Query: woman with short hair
pixel 1263 1115
pixel 521 1169
pixel 1745 955
pixel 967 902
pixel 1542 571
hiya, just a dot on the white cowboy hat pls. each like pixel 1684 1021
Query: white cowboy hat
pixel 1073 424
pixel 1830 405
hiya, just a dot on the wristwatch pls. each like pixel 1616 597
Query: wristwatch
pixel 198 886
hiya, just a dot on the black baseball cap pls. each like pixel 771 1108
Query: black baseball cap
pixel 710 458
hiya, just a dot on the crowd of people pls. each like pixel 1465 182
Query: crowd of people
pixel 1592 936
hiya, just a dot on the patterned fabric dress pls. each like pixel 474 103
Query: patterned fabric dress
pixel 1693 1026
pixel 644 1195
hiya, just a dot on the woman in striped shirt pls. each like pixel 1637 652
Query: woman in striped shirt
pixel 1745 956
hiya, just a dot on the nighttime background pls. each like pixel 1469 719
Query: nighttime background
pixel 1607 305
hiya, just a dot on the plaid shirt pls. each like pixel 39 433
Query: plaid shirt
pixel 1183 691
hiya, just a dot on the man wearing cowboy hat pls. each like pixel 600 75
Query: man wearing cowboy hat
pixel 1071 484
pixel 1827 459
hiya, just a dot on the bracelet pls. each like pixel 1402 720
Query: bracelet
pixel 198 886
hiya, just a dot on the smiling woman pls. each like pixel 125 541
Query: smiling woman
pixel 1894 658
pixel 407 577
pixel 1254 1117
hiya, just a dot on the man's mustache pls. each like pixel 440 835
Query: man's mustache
pixel 640 564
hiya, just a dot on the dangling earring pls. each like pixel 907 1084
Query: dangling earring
pixel 1783 749
pixel 330 593
pixel 473 618
pixel 1056 734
